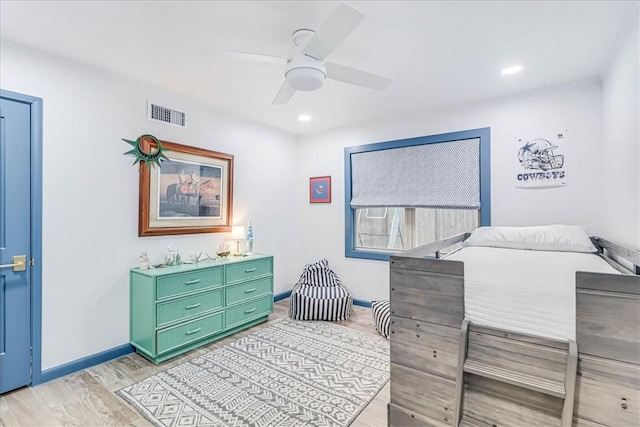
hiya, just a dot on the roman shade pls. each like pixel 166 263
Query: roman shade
pixel 444 175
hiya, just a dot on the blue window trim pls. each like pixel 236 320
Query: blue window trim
pixel 36 229
pixel 485 181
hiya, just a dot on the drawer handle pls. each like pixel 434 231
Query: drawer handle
pixel 249 270
pixel 189 307
pixel 194 331
pixel 192 282
pixel 250 311
pixel 248 291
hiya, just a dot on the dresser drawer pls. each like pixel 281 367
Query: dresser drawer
pixel 245 290
pixel 183 308
pixel 250 310
pixel 177 336
pixel 249 269
pixel 177 284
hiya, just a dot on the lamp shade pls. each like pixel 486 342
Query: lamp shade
pixel 237 232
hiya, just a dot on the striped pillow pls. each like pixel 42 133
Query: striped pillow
pixel 381 311
pixel 319 274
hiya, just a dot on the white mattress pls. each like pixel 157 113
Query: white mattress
pixel 531 292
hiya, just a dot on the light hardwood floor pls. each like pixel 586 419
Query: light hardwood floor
pixel 87 398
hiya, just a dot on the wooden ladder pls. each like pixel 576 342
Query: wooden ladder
pixel 564 391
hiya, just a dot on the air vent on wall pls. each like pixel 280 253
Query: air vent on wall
pixel 169 116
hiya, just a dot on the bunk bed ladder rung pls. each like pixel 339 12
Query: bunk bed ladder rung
pixel 541 385
pixel 564 391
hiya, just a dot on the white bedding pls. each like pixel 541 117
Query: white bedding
pixel 531 292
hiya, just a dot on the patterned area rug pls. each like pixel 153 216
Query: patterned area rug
pixel 292 373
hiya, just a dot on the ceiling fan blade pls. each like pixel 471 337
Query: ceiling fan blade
pixel 357 77
pixel 333 32
pixel 245 56
pixel 284 94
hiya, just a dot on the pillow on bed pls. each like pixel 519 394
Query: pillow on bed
pixel 561 238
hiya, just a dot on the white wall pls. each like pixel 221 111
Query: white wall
pixel 574 109
pixel 621 139
pixel 90 200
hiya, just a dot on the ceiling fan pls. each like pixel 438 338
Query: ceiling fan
pixel 306 68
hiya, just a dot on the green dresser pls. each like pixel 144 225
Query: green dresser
pixel 176 309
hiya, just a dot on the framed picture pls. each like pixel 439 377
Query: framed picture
pixel 190 193
pixel 320 189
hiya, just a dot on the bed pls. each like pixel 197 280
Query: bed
pixel 522 326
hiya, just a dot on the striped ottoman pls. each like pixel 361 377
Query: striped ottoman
pixel 319 295
pixel 381 316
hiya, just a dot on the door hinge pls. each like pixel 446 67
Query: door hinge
pixel 32 262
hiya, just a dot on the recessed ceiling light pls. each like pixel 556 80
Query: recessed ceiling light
pixel 304 118
pixel 511 70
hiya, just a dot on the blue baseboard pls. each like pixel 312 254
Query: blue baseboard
pixel 287 294
pixel 361 302
pixel 281 296
pixel 85 362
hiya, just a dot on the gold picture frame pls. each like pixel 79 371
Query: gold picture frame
pixel 191 192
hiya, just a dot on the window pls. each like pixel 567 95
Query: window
pixel 403 194
pixel 398 229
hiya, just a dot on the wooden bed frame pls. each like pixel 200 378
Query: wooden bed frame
pixel 448 371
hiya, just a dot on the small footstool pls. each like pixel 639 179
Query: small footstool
pixel 381 311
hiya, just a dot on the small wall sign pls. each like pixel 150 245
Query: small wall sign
pixel 320 189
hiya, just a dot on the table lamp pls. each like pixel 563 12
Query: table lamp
pixel 237 234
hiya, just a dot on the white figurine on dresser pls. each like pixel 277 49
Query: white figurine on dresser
pixel 145 264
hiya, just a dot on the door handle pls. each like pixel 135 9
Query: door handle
pixel 19 263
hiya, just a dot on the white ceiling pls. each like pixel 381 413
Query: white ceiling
pixel 438 53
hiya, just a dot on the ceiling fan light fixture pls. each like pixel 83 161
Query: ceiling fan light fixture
pixel 305 78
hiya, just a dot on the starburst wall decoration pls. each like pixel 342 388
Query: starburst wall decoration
pixel 154 157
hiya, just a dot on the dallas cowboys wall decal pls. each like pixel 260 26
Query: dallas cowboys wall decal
pixel 540 163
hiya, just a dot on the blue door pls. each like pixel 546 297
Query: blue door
pixel 15 242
